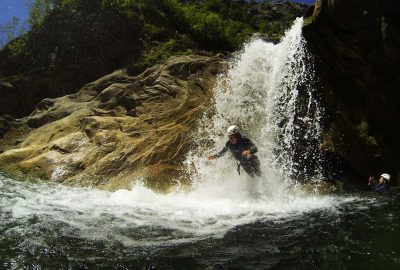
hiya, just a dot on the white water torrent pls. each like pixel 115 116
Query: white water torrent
pixel 259 93
pixel 268 93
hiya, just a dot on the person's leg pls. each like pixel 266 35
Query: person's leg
pixel 255 165
pixel 247 167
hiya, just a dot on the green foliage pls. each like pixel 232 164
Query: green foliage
pixel 17 47
pixel 363 132
pixel 214 6
pixel 10 30
pixel 211 29
pixel 73 42
pixel 270 28
pixel 163 51
pixel 38 11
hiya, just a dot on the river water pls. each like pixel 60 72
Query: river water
pixel 46 226
pixel 224 220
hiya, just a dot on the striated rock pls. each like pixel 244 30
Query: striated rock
pixel 357 44
pixel 114 130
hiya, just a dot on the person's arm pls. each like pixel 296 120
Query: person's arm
pixel 371 182
pixel 222 152
pixel 250 146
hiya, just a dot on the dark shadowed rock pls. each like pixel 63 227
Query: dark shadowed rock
pixel 357 44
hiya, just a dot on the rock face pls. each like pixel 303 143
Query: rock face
pixel 80 41
pixel 114 130
pixel 357 44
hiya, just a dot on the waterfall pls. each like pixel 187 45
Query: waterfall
pixel 268 92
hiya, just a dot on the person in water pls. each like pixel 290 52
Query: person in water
pixel 382 185
pixel 243 150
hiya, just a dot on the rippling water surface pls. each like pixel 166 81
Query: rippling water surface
pixel 55 227
pixel 224 221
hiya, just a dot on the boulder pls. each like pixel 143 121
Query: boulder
pixel 115 130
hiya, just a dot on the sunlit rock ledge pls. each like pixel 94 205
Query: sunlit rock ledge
pixel 114 130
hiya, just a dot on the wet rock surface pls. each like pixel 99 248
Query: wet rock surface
pixel 114 130
pixel 357 49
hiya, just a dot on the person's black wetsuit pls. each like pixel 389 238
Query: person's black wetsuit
pixel 250 165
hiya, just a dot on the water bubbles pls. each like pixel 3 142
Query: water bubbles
pixel 58 173
pixel 268 93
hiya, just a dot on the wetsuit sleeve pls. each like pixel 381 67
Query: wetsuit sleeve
pixel 222 152
pixel 251 146
pixel 379 188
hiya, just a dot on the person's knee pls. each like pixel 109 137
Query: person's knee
pixel 256 168
pixel 249 170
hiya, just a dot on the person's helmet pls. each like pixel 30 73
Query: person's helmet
pixel 386 176
pixel 232 130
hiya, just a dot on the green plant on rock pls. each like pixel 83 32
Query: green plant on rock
pixel 363 131
pixel 73 42
pixel 17 47
pixel 211 29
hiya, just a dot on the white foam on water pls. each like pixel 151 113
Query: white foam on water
pixel 259 94
pixel 141 217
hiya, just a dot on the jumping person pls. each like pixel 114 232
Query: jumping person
pixel 243 150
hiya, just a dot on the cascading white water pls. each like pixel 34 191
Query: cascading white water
pixel 263 92
pixel 259 93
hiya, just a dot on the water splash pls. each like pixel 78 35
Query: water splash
pixel 37 213
pixel 268 92
pixel 261 93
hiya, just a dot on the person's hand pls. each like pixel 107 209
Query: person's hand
pixel 211 157
pixel 246 154
pixel 372 180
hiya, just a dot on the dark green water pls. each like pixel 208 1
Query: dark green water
pixel 42 228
